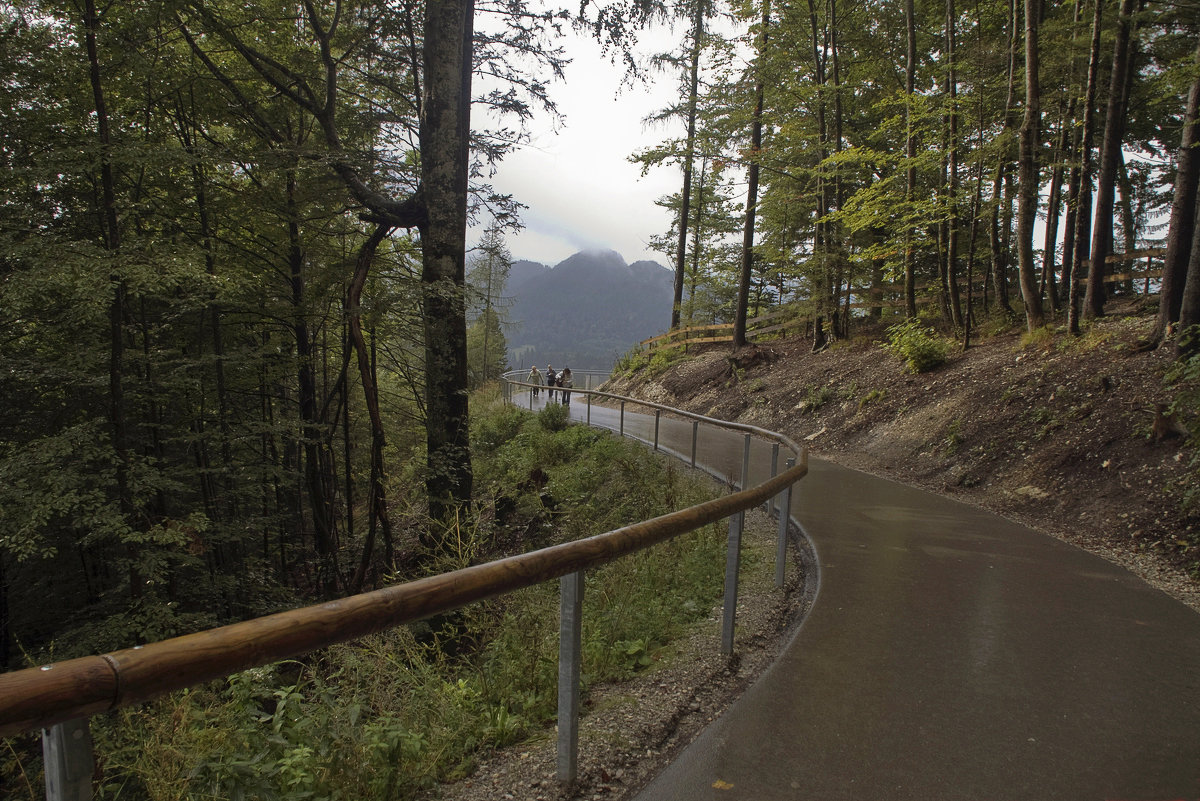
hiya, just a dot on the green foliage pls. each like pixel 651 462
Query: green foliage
pixel 554 416
pixel 1039 339
pixel 631 362
pixel 872 397
pixel 816 396
pixel 386 717
pixel 918 346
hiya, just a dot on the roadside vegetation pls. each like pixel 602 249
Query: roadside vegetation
pixel 385 717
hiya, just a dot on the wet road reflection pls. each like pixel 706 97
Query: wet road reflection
pixel 950 654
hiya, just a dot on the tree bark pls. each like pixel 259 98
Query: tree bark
pixel 747 264
pixel 1110 151
pixel 1189 310
pixel 999 252
pixel 952 182
pixel 378 488
pixel 1183 213
pixel 1028 180
pixel 688 158
pixel 910 152
pixel 1083 208
pixel 445 157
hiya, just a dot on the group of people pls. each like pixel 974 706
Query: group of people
pixel 555 382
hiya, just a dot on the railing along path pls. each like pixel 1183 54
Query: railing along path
pixel 60 697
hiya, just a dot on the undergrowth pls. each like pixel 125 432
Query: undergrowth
pixel 390 715
pixel 917 345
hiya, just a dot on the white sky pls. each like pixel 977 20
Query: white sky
pixel 580 188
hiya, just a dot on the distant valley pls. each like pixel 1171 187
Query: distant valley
pixel 585 311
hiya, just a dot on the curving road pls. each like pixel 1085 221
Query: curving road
pixel 949 654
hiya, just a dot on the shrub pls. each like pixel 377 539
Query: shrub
pixel 554 417
pixel 918 345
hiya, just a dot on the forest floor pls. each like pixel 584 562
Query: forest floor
pixel 1056 432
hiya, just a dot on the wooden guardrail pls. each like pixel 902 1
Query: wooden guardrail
pixel 704 334
pixel 64 694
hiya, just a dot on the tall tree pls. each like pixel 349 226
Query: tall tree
pixel 753 158
pixel 1083 207
pixel 699 13
pixel 1028 181
pixel 1110 154
pixel 1183 212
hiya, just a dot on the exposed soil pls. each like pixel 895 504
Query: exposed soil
pixel 1058 435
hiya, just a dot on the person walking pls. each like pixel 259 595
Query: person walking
pixel 535 378
pixel 551 378
pixel 564 381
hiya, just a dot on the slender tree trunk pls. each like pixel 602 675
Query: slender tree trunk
pixel 111 232
pixel 1183 213
pixel 747 264
pixel 910 152
pixel 1110 151
pixel 1028 180
pixel 378 489
pixel 999 252
pixel 1083 207
pixel 688 158
pixel 952 183
pixel 1189 309
pixel 1049 286
pixel 1129 226
pixel 445 133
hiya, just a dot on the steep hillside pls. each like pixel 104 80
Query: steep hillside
pixel 586 311
pixel 1057 434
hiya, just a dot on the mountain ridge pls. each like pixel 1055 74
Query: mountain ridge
pixel 586 310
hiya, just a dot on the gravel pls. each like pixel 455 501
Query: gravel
pixel 631 730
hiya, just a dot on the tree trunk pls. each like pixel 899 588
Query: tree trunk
pixel 739 320
pixel 952 182
pixel 1083 207
pixel 1028 180
pixel 1110 151
pixel 910 152
pixel 1189 309
pixel 999 254
pixel 1049 286
pixel 445 158
pixel 688 158
pixel 378 487
pixel 1183 213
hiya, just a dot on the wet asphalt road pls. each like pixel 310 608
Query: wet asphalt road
pixel 949 654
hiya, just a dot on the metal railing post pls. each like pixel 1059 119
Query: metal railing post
pixel 745 465
pixel 785 511
pixel 69 764
pixel 695 432
pixel 657 417
pixel 621 428
pixel 774 472
pixel 570 635
pixel 733 553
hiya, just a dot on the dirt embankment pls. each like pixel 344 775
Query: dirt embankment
pixel 1058 434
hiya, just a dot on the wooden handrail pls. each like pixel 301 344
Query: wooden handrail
pixel 41 696
pixel 681 336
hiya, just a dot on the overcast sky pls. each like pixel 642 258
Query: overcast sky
pixel 578 184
